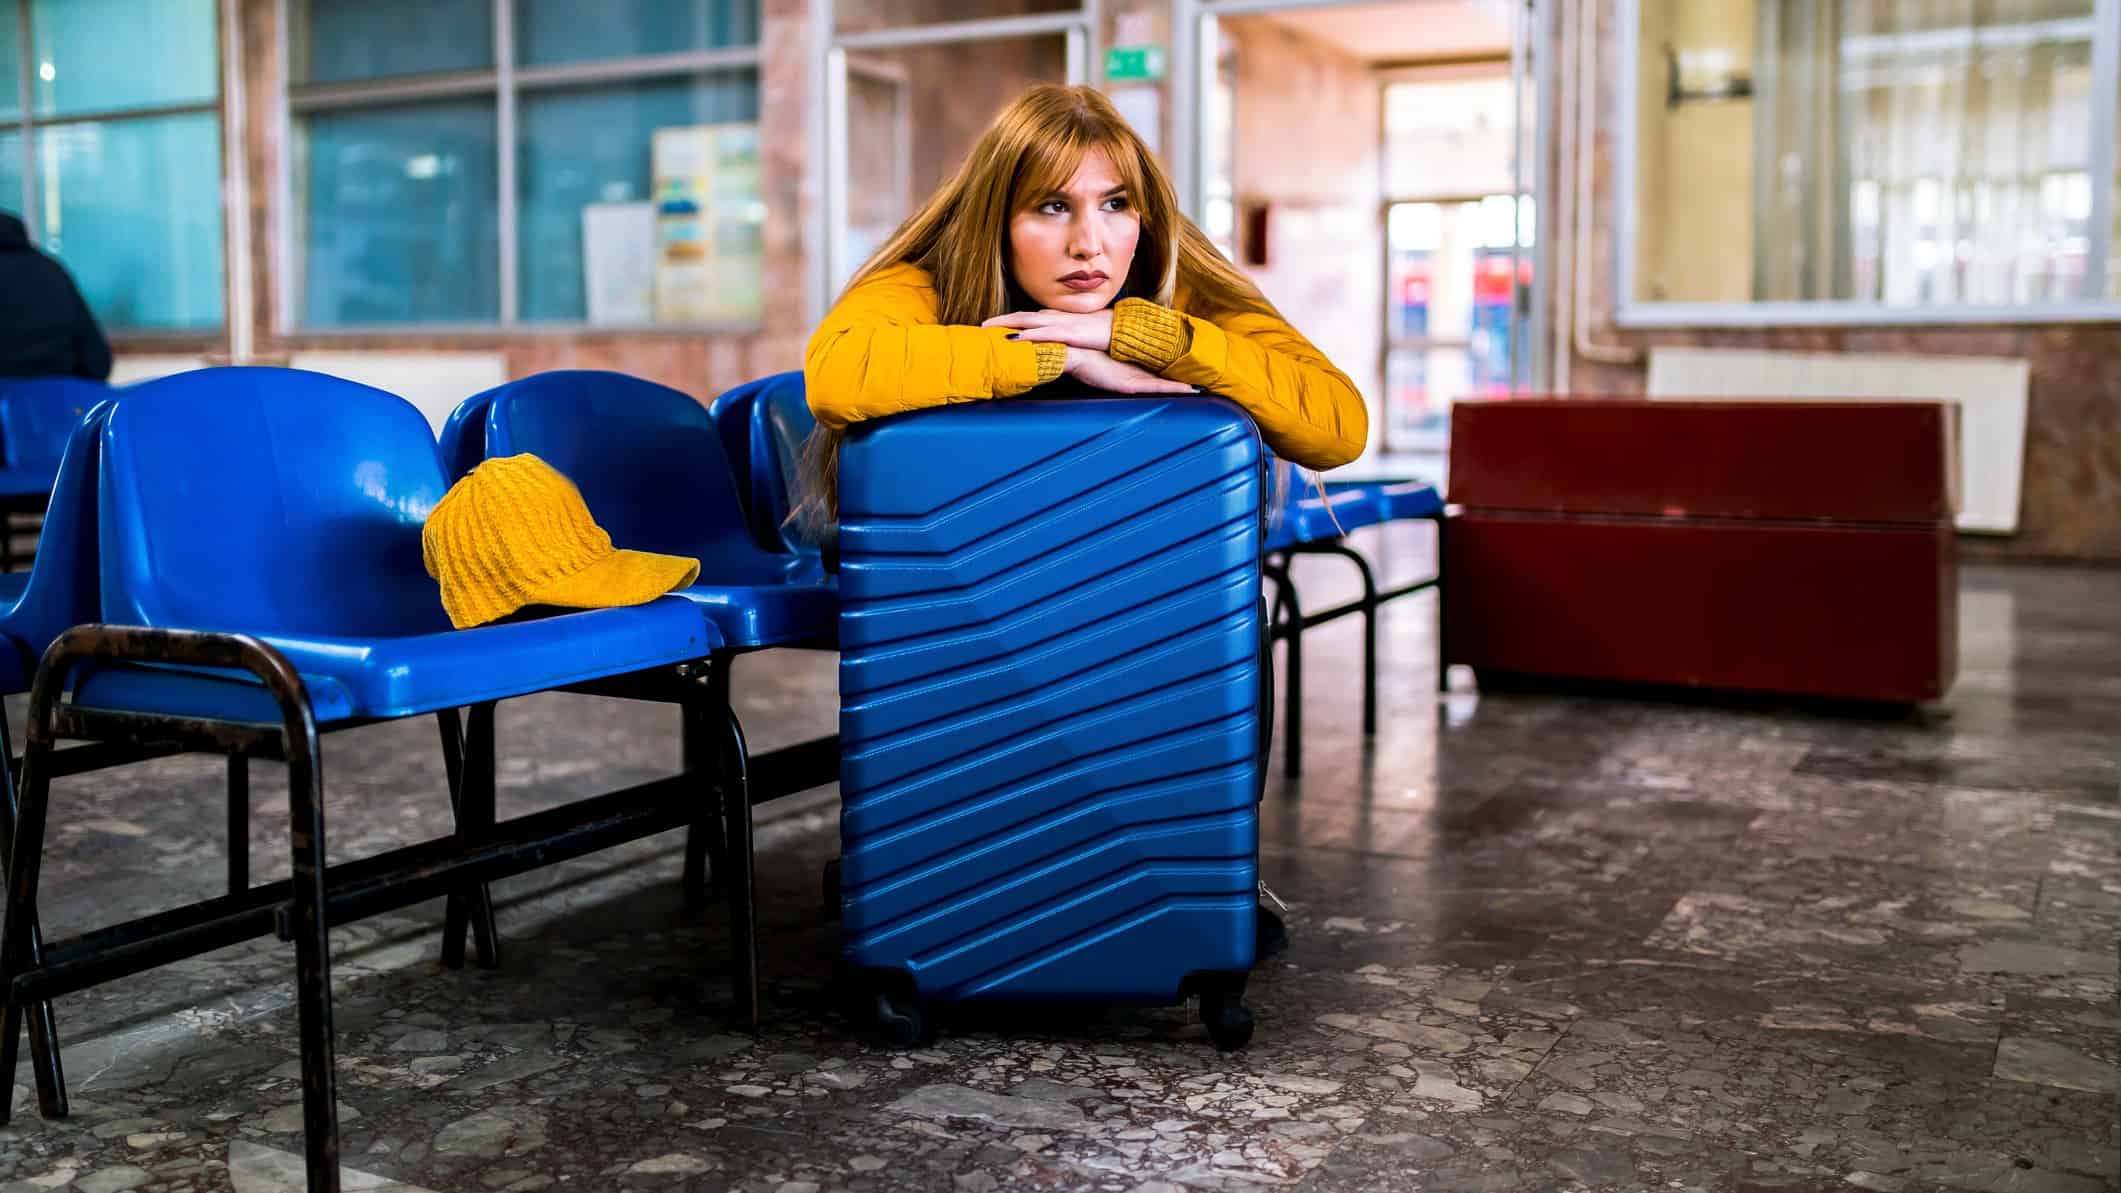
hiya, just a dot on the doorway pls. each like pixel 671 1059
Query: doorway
pixel 1375 168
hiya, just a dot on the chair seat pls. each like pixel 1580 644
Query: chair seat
pixel 377 678
pixel 771 612
pixel 1405 500
pixel 1320 519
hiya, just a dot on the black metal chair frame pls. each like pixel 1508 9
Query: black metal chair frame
pixel 301 910
pixel 1290 621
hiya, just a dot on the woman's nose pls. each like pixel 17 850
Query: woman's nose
pixel 1086 242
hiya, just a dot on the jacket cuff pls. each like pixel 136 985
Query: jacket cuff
pixel 1149 335
pixel 1052 360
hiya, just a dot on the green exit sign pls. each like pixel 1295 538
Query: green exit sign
pixel 1134 64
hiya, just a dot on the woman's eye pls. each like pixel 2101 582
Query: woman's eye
pixel 1116 203
pixel 1054 207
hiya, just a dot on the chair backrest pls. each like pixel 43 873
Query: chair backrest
pixel 763 425
pixel 38 414
pixel 462 442
pixel 271 501
pixel 62 590
pixel 647 458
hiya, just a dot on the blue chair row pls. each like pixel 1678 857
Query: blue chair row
pixel 233 565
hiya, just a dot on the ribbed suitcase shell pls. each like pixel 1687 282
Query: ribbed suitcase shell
pixel 1049 691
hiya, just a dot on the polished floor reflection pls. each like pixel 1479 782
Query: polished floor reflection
pixel 1540 941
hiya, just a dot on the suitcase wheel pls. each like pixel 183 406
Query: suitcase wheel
pixel 1229 1024
pixel 900 1022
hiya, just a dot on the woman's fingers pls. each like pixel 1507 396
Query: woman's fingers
pixel 1018 319
pixel 1150 383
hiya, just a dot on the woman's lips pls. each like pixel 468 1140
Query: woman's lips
pixel 1084 281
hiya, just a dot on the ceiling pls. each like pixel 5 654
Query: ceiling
pixel 1407 31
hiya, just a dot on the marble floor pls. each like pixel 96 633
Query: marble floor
pixel 1540 941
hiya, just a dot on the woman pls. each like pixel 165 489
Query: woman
pixel 1058 250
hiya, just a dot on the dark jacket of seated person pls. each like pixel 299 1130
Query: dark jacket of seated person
pixel 46 329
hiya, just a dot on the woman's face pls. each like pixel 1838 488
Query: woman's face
pixel 1071 251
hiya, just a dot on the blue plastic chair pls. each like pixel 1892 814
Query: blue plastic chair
pixel 649 461
pixel 462 442
pixel 650 464
pixel 59 593
pixel 764 425
pixel 260 533
pixel 1316 519
pixel 36 416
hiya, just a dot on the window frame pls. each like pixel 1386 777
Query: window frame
pixel 26 123
pixel 504 83
pixel 1632 313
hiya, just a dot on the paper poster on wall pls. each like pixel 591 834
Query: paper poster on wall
pixel 709 224
pixel 618 262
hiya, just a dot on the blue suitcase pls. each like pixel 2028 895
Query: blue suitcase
pixel 1050 691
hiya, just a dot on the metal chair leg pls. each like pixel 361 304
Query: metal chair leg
pixel 311 932
pixel 474 805
pixel 742 881
pixel 1292 731
pixel 238 823
pixel 1370 605
pixel 21 938
pixel 706 842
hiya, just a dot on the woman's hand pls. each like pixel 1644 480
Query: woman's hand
pixel 1099 371
pixel 1092 332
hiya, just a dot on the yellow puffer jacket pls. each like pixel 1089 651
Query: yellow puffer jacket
pixel 882 352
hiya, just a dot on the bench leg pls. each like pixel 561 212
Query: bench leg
pixel 741 884
pixel 706 846
pixel 468 755
pixel 238 823
pixel 1289 614
pixel 21 939
pixel 311 932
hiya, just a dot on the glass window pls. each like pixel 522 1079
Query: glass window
pixel 554 31
pixel 126 206
pixel 1890 154
pixel 331 41
pixel 10 63
pixel 398 221
pixel 613 177
pixel 107 55
pixel 121 149
pixel 635 197
pixel 11 172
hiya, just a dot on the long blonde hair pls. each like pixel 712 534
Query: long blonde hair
pixel 960 237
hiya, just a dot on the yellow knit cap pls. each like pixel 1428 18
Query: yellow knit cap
pixel 514 532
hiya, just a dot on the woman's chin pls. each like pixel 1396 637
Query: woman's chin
pixel 1079 302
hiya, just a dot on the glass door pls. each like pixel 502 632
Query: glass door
pixel 1374 167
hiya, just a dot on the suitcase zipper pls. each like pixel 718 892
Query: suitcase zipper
pixel 1271 897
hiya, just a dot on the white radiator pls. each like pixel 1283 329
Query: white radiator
pixel 433 381
pixel 1988 392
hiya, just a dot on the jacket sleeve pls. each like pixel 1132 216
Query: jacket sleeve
pixel 881 352
pixel 1307 410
